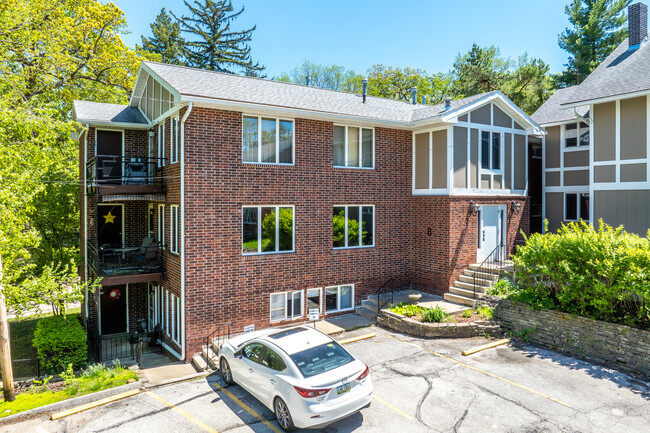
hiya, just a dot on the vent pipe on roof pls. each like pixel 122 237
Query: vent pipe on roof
pixel 307 80
pixel 414 93
pixel 365 89
pixel 447 103
pixel 637 23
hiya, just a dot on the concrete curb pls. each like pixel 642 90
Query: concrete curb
pixel 177 379
pixel 75 401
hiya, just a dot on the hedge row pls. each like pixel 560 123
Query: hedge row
pixel 60 342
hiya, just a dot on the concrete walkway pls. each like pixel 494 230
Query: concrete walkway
pixel 428 301
pixel 336 325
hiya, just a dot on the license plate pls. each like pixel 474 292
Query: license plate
pixel 343 388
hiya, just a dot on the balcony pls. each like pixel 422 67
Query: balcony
pixel 118 175
pixel 129 265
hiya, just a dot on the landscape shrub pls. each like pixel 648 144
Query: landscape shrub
pixel 602 273
pixel 60 342
pixel 408 310
pixel 434 315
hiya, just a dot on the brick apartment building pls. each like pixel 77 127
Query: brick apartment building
pixel 214 197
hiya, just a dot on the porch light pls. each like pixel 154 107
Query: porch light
pixel 515 207
pixel 473 207
pixel 143 323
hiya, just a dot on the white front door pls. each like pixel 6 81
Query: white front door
pixel 489 231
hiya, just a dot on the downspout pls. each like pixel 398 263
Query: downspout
pixel 184 118
pixel 85 245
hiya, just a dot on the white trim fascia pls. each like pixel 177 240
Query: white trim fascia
pixel 135 100
pixel 647 141
pixel 563 122
pixel 605 99
pixel 562 147
pixel 149 122
pixel 592 196
pixel 617 140
pixel 450 159
pixel 622 186
pixel 85 245
pixel 544 183
pixel 513 174
pixel 577 188
pixel 434 191
pixel 114 125
pixel 176 108
pixel 135 89
pixel 488 193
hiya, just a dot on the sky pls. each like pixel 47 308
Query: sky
pixel 359 33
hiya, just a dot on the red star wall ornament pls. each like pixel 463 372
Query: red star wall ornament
pixel 114 294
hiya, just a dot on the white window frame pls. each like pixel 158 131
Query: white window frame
pixel 161 144
pixel 578 146
pixel 277 140
pixel 277 229
pixel 166 311
pixel 174 136
pixel 151 307
pixel 173 228
pixel 578 195
pixel 176 336
pixel 345 151
pixel 320 298
pixel 338 298
pixel 285 295
pixel 491 170
pixel 161 225
pixel 360 206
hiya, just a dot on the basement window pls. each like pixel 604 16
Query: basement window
pixel 339 298
pixel 286 305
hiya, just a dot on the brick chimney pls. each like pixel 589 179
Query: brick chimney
pixel 637 18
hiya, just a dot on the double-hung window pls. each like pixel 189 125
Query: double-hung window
pixel 267 229
pixel 161 144
pixel 491 150
pixel 576 206
pixel 354 147
pixel 174 138
pixel 267 140
pixel 576 135
pixel 286 305
pixel 339 298
pixel 173 228
pixel 353 226
pixel 161 224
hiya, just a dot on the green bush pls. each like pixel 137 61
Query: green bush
pixel 601 273
pixel 408 310
pixel 60 342
pixel 434 315
pixel 503 287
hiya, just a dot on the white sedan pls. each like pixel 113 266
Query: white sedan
pixel 299 373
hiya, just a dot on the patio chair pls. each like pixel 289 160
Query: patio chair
pixel 147 256
pixel 136 172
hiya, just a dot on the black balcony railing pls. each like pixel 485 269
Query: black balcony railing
pixel 116 262
pixel 111 170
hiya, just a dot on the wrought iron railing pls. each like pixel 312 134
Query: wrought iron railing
pixel 122 170
pixel 385 294
pixel 495 260
pixel 216 338
pixel 112 262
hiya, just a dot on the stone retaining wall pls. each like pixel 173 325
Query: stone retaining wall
pixel 414 328
pixel 617 346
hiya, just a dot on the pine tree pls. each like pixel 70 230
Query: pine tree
pixel 166 39
pixel 598 28
pixel 214 45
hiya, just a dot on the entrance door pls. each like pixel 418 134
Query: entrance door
pixel 112 301
pixel 109 224
pixel 109 156
pixel 489 232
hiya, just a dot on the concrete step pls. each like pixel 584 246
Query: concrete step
pixel 370 306
pixel 458 299
pixel 368 314
pixel 199 362
pixel 468 293
pixel 489 277
pixel 479 281
pixel 210 356
pixel 469 286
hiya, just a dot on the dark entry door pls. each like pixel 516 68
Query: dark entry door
pixel 109 156
pixel 109 225
pixel 113 309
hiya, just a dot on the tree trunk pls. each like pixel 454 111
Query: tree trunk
pixel 5 350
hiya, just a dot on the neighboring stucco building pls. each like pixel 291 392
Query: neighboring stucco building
pixel 597 145
pixel 216 198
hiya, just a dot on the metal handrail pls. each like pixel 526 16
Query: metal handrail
pixel 221 333
pixel 384 296
pixel 494 260
pixel 128 261
pixel 123 170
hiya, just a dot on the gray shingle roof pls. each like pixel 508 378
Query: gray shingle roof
pixel 85 111
pixel 436 110
pixel 552 111
pixel 622 72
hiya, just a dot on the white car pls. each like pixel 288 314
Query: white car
pixel 301 374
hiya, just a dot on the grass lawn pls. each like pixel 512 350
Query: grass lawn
pixel 21 332
pixel 95 378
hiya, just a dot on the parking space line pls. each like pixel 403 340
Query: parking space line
pixel 248 409
pixel 503 379
pixel 393 408
pixel 359 338
pixel 177 409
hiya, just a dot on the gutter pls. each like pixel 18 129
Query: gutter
pixel 584 119
pixel 182 158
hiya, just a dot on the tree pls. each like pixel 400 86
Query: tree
pixel 214 45
pixel 598 27
pixel 332 77
pixel 166 39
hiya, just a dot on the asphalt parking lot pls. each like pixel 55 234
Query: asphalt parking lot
pixel 420 386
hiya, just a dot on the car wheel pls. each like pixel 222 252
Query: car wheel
pixel 226 372
pixel 283 416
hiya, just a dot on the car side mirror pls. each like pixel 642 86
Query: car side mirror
pixel 238 354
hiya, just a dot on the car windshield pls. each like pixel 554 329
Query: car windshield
pixel 320 359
